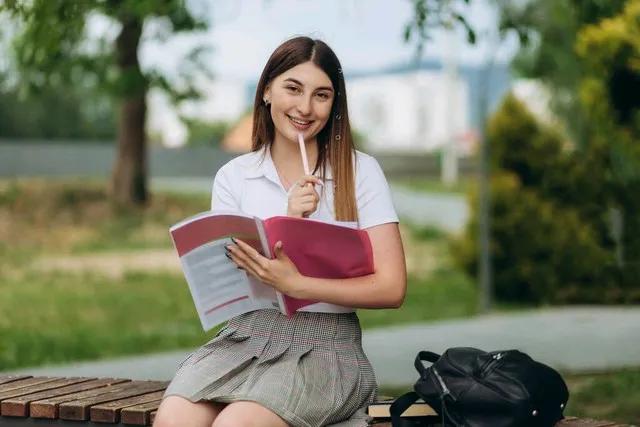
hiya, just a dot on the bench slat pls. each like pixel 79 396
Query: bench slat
pixel 586 422
pixel 108 400
pixel 9 409
pixel 48 408
pixel 20 406
pixel 27 382
pixel 569 422
pixel 78 410
pixel 11 378
pixel 110 412
pixel 139 414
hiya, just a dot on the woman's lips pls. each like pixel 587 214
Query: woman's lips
pixel 298 125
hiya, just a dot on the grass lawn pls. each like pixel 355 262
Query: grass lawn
pixel 612 396
pixel 63 315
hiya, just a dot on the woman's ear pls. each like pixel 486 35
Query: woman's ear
pixel 266 96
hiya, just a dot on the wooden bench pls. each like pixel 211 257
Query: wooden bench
pixel 80 401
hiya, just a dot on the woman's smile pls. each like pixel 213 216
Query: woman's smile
pixel 300 124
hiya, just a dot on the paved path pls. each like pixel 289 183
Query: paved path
pixel 446 211
pixel 571 339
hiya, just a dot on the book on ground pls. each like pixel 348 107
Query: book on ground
pixel 380 409
pixel 221 291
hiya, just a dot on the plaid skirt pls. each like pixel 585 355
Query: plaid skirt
pixel 309 369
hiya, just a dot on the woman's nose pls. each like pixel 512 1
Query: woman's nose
pixel 304 105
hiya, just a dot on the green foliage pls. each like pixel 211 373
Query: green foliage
pixel 430 14
pixel 202 133
pixel 587 54
pixel 520 145
pixel 541 252
pixel 50 47
pixel 548 31
pixel 550 218
pixel 610 50
pixel 71 113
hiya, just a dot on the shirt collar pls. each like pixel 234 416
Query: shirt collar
pixel 262 165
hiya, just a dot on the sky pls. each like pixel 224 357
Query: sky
pixel 365 34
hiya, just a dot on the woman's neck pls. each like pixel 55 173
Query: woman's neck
pixel 286 157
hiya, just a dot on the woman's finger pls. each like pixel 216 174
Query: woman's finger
pixel 246 248
pixel 309 179
pixel 244 260
pixel 249 255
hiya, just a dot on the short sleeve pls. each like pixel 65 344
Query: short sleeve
pixel 223 196
pixel 373 195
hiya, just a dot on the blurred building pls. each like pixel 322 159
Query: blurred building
pixel 238 139
pixel 409 108
pixel 420 110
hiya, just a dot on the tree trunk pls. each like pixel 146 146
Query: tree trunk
pixel 129 176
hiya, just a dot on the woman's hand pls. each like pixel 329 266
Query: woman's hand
pixel 303 198
pixel 280 273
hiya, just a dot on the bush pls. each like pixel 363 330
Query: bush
pixel 540 253
pixel 551 239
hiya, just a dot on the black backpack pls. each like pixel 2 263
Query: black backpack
pixel 468 387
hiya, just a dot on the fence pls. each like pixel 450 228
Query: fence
pixel 91 159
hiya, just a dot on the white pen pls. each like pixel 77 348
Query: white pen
pixel 303 153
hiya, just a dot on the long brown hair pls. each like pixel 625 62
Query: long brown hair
pixel 335 142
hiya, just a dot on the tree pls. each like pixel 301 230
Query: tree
pixel 609 91
pixel 50 48
pixel 548 242
pixel 547 30
pixel 586 51
pixel 431 14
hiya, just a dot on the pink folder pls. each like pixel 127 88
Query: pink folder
pixel 320 250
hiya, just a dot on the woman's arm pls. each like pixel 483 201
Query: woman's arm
pixel 385 288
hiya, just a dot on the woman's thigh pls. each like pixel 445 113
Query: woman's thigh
pixel 176 411
pixel 248 414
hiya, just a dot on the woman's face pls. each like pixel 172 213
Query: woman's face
pixel 301 100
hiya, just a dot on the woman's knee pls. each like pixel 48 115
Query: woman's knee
pixel 248 414
pixel 175 411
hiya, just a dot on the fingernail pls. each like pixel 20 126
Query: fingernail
pixel 234 240
pixel 227 255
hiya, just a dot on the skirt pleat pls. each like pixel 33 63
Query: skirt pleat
pixel 309 369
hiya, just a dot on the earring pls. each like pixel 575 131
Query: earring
pixel 266 102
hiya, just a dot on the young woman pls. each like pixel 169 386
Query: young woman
pixel 263 368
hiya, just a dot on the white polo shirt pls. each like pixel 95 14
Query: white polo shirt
pixel 251 185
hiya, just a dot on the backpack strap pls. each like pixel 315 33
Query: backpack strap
pixel 427 356
pixel 399 406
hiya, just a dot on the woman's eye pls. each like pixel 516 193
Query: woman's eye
pixel 292 88
pixel 323 95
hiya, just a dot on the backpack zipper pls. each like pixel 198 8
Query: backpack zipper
pixel 441 383
pixel 495 358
